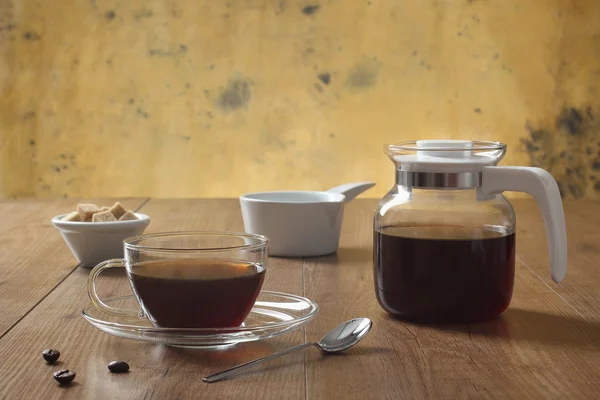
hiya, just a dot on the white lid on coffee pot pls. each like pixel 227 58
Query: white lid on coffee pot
pixel 446 155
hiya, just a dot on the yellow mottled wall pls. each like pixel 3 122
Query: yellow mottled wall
pixel 189 98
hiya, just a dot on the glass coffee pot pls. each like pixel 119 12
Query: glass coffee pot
pixel 444 235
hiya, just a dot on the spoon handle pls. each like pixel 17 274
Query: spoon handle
pixel 242 367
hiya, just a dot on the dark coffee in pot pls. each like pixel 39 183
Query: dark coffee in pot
pixel 444 273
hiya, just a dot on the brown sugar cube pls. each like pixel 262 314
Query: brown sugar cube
pixel 73 216
pixel 128 216
pixel 87 210
pixel 101 209
pixel 103 216
pixel 118 210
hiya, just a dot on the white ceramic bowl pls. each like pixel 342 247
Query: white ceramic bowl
pixel 298 224
pixel 94 242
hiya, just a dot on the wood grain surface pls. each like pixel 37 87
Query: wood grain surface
pixel 581 287
pixel 33 256
pixel 541 347
pixel 545 346
pixel 157 372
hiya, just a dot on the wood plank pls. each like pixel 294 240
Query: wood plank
pixel 157 371
pixel 33 255
pixel 540 348
pixel 582 283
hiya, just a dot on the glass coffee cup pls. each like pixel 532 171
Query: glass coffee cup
pixel 190 279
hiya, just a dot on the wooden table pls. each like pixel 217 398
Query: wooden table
pixel 546 345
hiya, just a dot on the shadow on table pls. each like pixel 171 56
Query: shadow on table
pixel 535 326
pixel 295 359
pixel 229 356
pixel 531 326
pixel 220 360
pixel 345 255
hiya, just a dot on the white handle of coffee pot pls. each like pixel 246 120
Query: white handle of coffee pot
pixel 542 186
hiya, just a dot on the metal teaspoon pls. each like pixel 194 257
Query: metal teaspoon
pixel 340 338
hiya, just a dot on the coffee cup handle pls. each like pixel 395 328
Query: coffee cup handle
pixel 98 303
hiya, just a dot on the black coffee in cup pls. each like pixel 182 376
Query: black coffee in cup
pixel 196 293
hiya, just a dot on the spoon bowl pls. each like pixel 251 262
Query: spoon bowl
pixel 345 335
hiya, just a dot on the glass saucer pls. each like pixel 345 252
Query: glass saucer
pixel 273 314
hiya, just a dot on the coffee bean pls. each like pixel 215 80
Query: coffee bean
pixel 64 376
pixel 51 355
pixel 118 366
